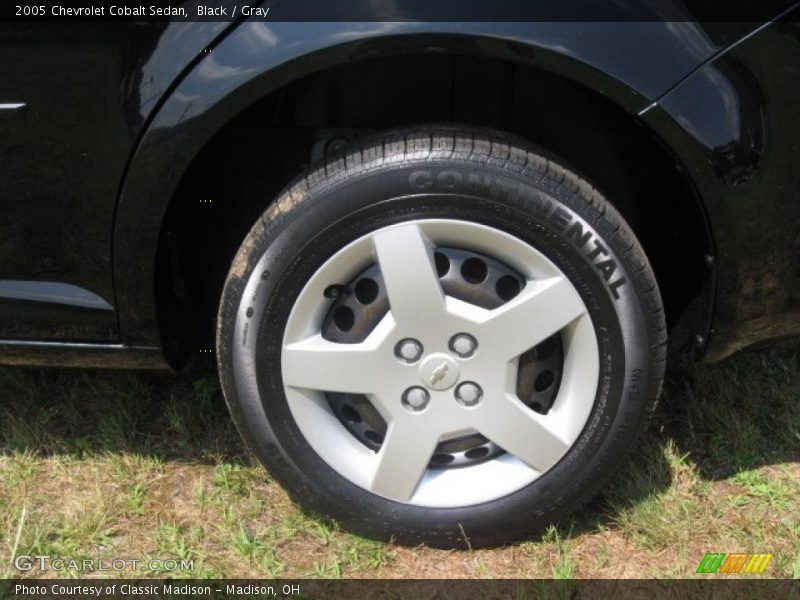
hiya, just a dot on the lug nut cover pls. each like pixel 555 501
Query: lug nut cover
pixel 416 398
pixel 463 344
pixel 469 393
pixel 408 350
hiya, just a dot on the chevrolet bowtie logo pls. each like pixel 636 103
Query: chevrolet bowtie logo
pixel 439 373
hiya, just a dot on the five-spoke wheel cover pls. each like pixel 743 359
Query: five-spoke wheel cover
pixel 407 408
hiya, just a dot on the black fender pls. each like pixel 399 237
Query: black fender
pixel 733 125
pixel 632 63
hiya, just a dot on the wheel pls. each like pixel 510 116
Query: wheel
pixel 441 337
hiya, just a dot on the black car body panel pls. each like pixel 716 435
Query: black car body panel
pixel 734 125
pixel 258 58
pixel 88 92
pixel 114 115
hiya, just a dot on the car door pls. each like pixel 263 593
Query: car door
pixel 73 99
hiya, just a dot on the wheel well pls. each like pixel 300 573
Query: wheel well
pixel 237 174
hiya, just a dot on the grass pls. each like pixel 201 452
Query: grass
pixel 137 465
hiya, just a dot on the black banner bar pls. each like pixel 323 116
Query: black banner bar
pixel 152 589
pixel 70 11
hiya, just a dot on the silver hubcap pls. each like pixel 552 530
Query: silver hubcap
pixel 437 369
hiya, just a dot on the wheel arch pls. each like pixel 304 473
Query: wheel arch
pixel 255 61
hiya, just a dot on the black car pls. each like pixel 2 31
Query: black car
pixel 442 262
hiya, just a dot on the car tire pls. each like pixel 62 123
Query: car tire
pixel 362 400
